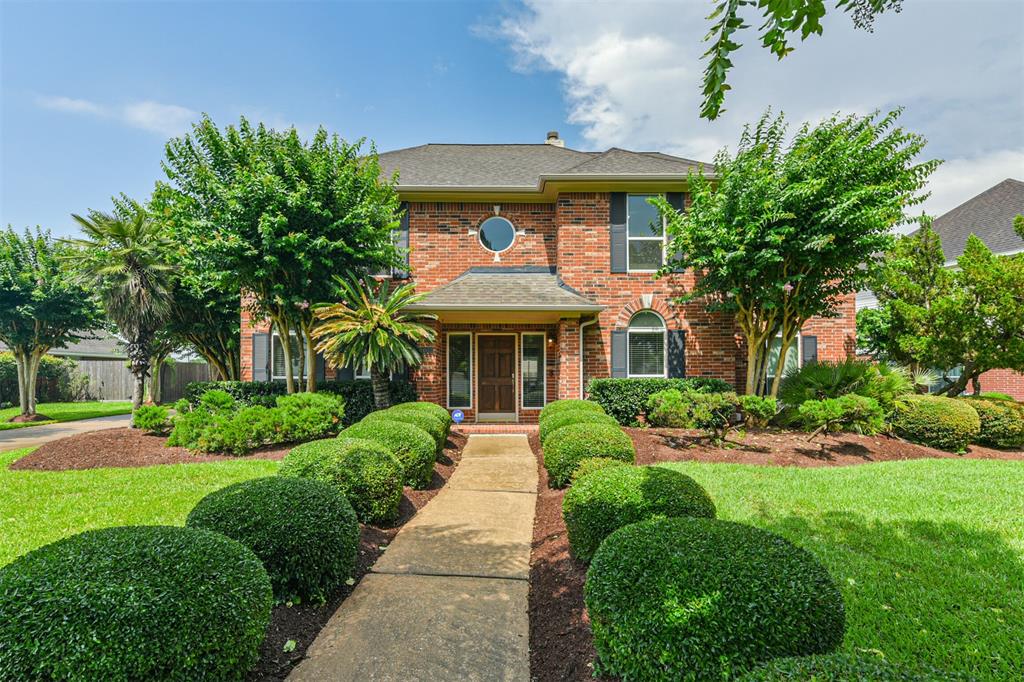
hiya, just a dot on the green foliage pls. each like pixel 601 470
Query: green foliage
pixel 152 419
pixel 570 445
pixel 758 410
pixel 688 409
pixel 553 422
pixel 305 416
pixel 134 603
pixel 824 379
pixel 1002 423
pixel 850 412
pixel 591 464
pixel 626 399
pixel 57 380
pixel 943 423
pixel 995 395
pixel 304 531
pixel 840 667
pixel 217 401
pixel 422 420
pixel 366 472
pixel 413 447
pixel 670 409
pixel 438 412
pixel 613 497
pixel 557 406
pixel 695 599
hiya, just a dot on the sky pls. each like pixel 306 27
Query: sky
pixel 90 92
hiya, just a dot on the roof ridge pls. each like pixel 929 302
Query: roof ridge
pixel 980 195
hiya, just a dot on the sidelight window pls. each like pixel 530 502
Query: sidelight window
pixel 460 370
pixel 533 364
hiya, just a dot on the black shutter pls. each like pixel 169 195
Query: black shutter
pixel 809 349
pixel 402 242
pixel 346 373
pixel 676 201
pixel 676 354
pixel 321 368
pixel 617 221
pixel 261 357
pixel 399 374
pixel 620 354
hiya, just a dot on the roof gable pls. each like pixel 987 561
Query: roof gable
pixel 989 216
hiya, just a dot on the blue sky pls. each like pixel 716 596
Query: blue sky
pixel 91 91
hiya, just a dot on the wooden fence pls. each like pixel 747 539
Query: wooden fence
pixel 111 380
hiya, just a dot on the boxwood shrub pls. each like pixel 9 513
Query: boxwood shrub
pixel 134 603
pixel 570 445
pixel 433 409
pixel 613 497
pixel 153 419
pixel 566 417
pixel 943 423
pixel 592 464
pixel 557 406
pixel 699 599
pixel 413 447
pixel 841 667
pixel 304 531
pixel 626 399
pixel 366 472
pixel 1002 422
pixel 421 420
pixel 305 416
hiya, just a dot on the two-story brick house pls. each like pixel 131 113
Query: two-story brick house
pixel 538 261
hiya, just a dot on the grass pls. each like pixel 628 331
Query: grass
pixel 928 553
pixel 38 507
pixel 65 412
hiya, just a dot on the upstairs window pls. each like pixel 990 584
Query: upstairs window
pixel 497 234
pixel 645 234
pixel 646 346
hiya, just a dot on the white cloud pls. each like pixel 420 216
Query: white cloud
pixel 155 117
pixel 631 76
pixel 69 104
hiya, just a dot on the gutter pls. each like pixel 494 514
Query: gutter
pixel 555 177
pixel 589 322
pixel 505 308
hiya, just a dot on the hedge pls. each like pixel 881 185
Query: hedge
pixel 433 409
pixel 591 464
pixel 566 417
pixel 134 603
pixel 1002 422
pixel 613 497
pixel 694 599
pixel 304 531
pixel 367 473
pixel 413 447
pixel 553 408
pixel 626 399
pixel 570 445
pixel 943 423
pixel 358 394
pixel 421 420
pixel 841 667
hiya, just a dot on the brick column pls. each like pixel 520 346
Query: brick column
pixel 568 358
pixel 428 378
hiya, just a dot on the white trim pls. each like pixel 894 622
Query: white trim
pixel 664 230
pixel 448 371
pixel 356 374
pixel 480 234
pixel 515 381
pixel 648 330
pixel 543 369
pixel 584 325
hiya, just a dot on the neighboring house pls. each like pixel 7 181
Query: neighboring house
pixel 538 261
pixel 989 216
pixel 104 346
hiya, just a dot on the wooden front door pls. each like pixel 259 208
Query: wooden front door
pixel 497 374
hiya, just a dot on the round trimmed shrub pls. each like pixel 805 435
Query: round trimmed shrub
pixel 421 420
pixel 304 531
pixel 840 667
pixel 1002 423
pixel 692 598
pixel 433 409
pixel 570 445
pixel 366 472
pixel 566 417
pixel 569 404
pixel 943 423
pixel 412 445
pixel 134 603
pixel 592 464
pixel 613 497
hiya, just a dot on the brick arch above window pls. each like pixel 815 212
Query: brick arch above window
pixel 669 313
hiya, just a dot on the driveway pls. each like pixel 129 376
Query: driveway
pixel 32 436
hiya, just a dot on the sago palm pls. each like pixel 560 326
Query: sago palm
pixel 371 326
pixel 123 258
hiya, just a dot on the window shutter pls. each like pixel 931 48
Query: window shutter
pixel 676 353
pixel 809 348
pixel 618 232
pixel 346 373
pixel 619 354
pixel 399 375
pixel 261 357
pixel 321 368
pixel 677 201
pixel 402 242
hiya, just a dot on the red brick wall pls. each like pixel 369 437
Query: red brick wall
pixel 1003 381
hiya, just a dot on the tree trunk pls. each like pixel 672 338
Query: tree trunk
pixel 311 354
pixel 300 348
pixel 976 384
pixel 33 376
pixel 21 363
pixel 781 364
pixel 381 396
pixel 284 333
pixel 958 386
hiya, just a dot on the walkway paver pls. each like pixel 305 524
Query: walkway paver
pixel 31 436
pixel 448 600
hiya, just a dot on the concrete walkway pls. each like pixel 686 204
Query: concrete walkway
pixel 448 599
pixel 31 436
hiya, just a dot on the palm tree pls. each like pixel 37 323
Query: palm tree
pixel 123 258
pixel 369 327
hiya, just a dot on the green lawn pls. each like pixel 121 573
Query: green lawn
pixel 38 507
pixel 66 412
pixel 928 553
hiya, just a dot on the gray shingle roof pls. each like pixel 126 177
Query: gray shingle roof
pixel 507 288
pixel 105 346
pixel 520 166
pixel 988 215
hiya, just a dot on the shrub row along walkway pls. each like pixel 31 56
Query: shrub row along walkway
pixel 448 600
pixel 15 439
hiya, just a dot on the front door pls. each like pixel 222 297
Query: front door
pixel 497 374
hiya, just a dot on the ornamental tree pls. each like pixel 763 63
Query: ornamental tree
pixel 42 306
pixel 274 217
pixel 784 231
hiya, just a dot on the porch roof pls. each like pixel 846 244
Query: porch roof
pixel 507 289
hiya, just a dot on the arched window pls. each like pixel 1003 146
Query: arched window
pixel 646 347
pixel 497 234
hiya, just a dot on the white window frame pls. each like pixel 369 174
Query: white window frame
pixel 448 371
pixel 543 369
pixel 769 372
pixel 282 377
pixel 360 371
pixel 647 330
pixel 480 234
pixel 664 230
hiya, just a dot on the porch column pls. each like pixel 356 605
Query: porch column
pixel 428 378
pixel 568 358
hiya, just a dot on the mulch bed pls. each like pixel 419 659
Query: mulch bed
pixel 561 649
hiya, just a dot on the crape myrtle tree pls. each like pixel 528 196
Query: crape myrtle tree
pixel 782 232
pixel 204 317
pixel 275 217
pixel 42 306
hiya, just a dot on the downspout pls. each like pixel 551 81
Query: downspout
pixel 589 322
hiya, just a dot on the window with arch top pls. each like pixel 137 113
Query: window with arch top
pixel 646 345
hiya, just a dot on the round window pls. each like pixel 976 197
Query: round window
pixel 497 234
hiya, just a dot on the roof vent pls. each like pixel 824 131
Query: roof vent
pixel 554 139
